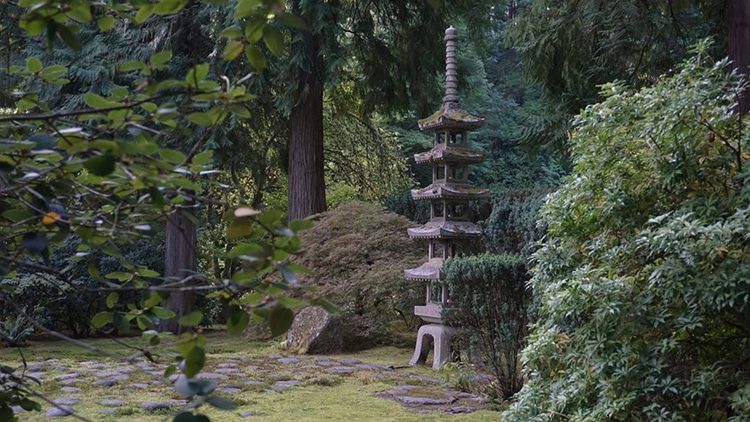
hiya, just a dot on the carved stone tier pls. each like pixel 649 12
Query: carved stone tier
pixel 428 271
pixel 443 153
pixel 452 116
pixel 450 191
pixel 445 230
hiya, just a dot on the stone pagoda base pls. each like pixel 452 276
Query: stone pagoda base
pixel 441 338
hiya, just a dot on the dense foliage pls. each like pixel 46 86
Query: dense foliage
pixel 358 264
pixel 643 279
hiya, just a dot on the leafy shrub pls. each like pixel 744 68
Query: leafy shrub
pixel 358 257
pixel 492 301
pixel 15 331
pixel 644 277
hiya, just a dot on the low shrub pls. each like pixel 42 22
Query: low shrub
pixel 358 254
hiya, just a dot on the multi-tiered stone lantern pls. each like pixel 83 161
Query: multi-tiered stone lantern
pixel 449 230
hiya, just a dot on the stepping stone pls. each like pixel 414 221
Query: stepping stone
pixel 67 389
pixel 37 375
pixel 106 374
pixel 113 403
pixel 278 387
pixel 137 385
pixel 340 370
pixel 108 411
pixel 247 414
pixel 227 365
pixel 211 376
pixel 350 361
pixel 66 401
pixel 373 367
pixel 252 368
pixel 289 383
pixel 17 409
pixel 105 383
pixel 100 366
pixel 228 390
pixel 61 368
pixel 60 411
pixel 35 368
pixel 228 371
pixel 65 376
pixel 328 363
pixel 154 406
pixel 70 381
pixel 125 370
pixel 289 361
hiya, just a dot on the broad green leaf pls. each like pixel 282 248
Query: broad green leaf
pixel 270 217
pixel 172 156
pixel 106 22
pixel 101 319
pixel 291 302
pixel 289 276
pixel 96 101
pixel 168 7
pixel 183 416
pixel 112 300
pixel 33 64
pixel 232 50
pixel 161 57
pixel 192 319
pixel 101 165
pixel 197 74
pixel 134 65
pixel 43 141
pixel 274 40
pixel 246 8
pixel 119 276
pixel 280 319
pixel 143 13
pixel 255 57
pixel 232 32
pixel 79 11
pixel 291 20
pixel 204 157
pixel 201 118
pixel 221 403
pixel 299 269
pixel 67 34
pixel 299 225
pixel 193 362
pixel 162 313
pixel 238 320
pixel 325 304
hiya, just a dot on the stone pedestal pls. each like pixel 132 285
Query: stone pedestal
pixel 441 339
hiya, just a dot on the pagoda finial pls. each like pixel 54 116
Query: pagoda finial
pixel 451 79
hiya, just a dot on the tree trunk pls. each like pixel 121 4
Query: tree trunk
pixel 306 181
pixel 180 258
pixel 739 43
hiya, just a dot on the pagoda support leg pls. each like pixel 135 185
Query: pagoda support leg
pixel 441 339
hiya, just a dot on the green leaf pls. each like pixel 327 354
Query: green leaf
pixel 161 57
pixel 162 313
pixel 274 40
pixel 238 320
pixel 134 65
pixel 197 74
pixel 270 217
pixel 204 157
pixel 101 165
pixel 325 304
pixel 221 403
pixel 299 225
pixel 184 416
pixel 106 22
pixel 144 13
pixel 119 276
pixel 101 319
pixel 33 64
pixel 246 8
pixel 67 35
pixel 232 50
pixel 280 319
pixel 255 57
pixel 172 156
pixel 79 11
pixel 201 118
pixel 6 413
pixel 96 101
pixel 29 405
pixel 233 32
pixel 194 362
pixel 290 20
pixel 112 300
pixel 291 302
pixel 168 7
pixel 192 319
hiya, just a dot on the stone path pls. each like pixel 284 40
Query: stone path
pixel 115 382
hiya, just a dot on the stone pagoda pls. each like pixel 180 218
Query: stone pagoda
pixel 449 230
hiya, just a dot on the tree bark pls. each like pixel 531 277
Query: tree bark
pixel 180 259
pixel 739 43
pixel 306 167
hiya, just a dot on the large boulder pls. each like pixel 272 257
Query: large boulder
pixel 315 331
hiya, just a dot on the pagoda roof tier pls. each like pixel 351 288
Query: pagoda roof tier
pixel 459 191
pixel 445 230
pixel 428 271
pixel 451 116
pixel 445 153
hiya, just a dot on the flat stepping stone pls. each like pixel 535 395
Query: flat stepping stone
pixel 99 366
pixel 67 389
pixel 108 411
pixel 154 405
pixel 211 376
pixel 229 390
pixel 328 363
pixel 106 374
pixel 289 361
pixel 252 368
pixel 289 383
pixel 373 367
pixel 66 401
pixel 59 411
pixel 137 385
pixel 278 387
pixel 35 368
pixel 105 383
pixel 340 370
pixel 228 371
pixel 68 381
pixel 66 376
pixel 227 365
pixel 350 361
pixel 113 403
pixel 247 414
